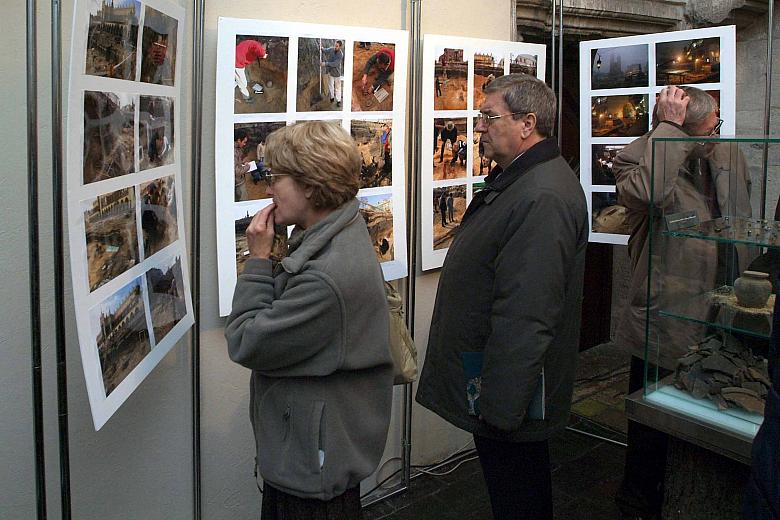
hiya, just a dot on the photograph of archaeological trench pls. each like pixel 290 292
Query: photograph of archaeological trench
pixel 260 75
pixel 278 250
pixel 158 214
pixel 376 63
pixel 121 334
pixel 155 132
pixel 111 39
pixel 449 206
pixel 112 240
pixel 254 153
pixel 449 148
pixel 450 81
pixel 158 48
pixel 320 74
pixel 377 211
pixel 165 284
pixel 109 135
pixel 374 140
pixel 488 65
pixel 481 163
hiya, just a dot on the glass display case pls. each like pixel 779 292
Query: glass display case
pixel 714 255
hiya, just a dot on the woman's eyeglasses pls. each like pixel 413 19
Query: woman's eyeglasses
pixel 271 178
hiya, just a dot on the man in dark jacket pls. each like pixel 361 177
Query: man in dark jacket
pixel 504 335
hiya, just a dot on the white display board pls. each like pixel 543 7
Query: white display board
pixel 455 71
pixel 619 81
pixel 125 210
pixel 288 85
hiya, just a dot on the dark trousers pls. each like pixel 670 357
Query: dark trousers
pixel 278 505
pixel 518 478
pixel 642 490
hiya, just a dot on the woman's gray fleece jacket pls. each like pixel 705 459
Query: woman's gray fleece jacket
pixel 314 331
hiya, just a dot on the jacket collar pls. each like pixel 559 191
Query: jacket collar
pixel 542 151
pixel 304 244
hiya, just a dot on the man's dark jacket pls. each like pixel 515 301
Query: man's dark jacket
pixel 511 287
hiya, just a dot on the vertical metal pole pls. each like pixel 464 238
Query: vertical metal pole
pixel 552 44
pixel 768 105
pixel 34 258
pixel 413 162
pixel 560 73
pixel 59 263
pixel 513 17
pixel 197 98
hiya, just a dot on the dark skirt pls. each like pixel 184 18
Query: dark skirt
pixel 278 505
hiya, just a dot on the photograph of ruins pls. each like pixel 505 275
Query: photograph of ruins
pixel 375 61
pixel 158 48
pixel 450 80
pixel 449 148
pixel 619 67
pixel 375 142
pixel 260 86
pixel 481 164
pixel 109 135
pixel 487 66
pixel 158 214
pixel 449 206
pixel 687 61
pixel 112 240
pixel 254 152
pixel 522 64
pixel 121 334
pixel 317 89
pixel 165 284
pixel 155 132
pixel 278 251
pixel 619 116
pixel 377 211
pixel 607 215
pixel 112 37
pixel 601 163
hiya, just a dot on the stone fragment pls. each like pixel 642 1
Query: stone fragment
pixel 719 363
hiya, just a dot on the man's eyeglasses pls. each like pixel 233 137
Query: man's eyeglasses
pixel 486 119
pixel 717 126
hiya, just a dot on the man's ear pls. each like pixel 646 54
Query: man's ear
pixel 528 122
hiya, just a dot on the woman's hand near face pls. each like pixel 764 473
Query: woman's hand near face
pixel 260 233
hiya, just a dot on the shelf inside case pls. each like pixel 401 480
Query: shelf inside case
pixel 733 230
pixel 719 308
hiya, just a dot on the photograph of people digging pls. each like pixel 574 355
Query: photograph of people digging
pixel 449 206
pixel 260 75
pixel 372 76
pixel 449 148
pixel 320 74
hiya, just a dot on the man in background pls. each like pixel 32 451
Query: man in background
pixel 333 63
pixel 248 52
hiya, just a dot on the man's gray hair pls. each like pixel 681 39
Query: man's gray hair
pixel 700 106
pixel 526 94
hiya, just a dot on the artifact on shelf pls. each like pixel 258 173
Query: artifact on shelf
pixel 753 289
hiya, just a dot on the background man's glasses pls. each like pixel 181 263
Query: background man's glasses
pixel 716 129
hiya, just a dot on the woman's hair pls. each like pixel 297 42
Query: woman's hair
pixel 318 155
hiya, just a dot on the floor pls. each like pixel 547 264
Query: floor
pixel 586 470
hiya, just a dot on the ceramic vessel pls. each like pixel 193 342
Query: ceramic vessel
pixel 753 289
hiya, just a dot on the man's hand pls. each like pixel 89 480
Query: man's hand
pixel 260 233
pixel 364 79
pixel 672 105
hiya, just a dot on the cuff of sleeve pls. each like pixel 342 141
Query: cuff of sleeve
pixel 259 266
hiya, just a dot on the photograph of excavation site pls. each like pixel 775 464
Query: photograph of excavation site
pixel 158 48
pixel 266 78
pixel 278 250
pixel 449 150
pixel 450 81
pixel 375 143
pixel 121 334
pixel 158 214
pixel 488 66
pixel 522 64
pixel 375 61
pixel 377 211
pixel 155 132
pixel 165 284
pixel 112 37
pixel 320 74
pixel 109 135
pixel 112 240
pixel 449 206
pixel 254 152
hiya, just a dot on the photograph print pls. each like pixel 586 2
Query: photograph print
pixel 377 211
pixel 619 67
pixel 320 74
pixel 449 148
pixel 165 284
pixel 158 214
pixel 155 132
pixel 488 66
pixel 109 135
pixel 374 140
pixel 158 48
pixel 112 38
pixel 278 250
pixel 120 331
pixel 373 69
pixel 260 74
pixel 687 61
pixel 607 215
pixel 249 159
pixel 449 206
pixel 111 236
pixel 602 156
pixel 523 64
pixel 450 80
pixel 481 163
pixel 619 116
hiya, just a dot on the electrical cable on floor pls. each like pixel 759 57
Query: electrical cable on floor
pixel 603 377
pixel 459 464
pixel 391 475
pixel 604 427
pixel 599 437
